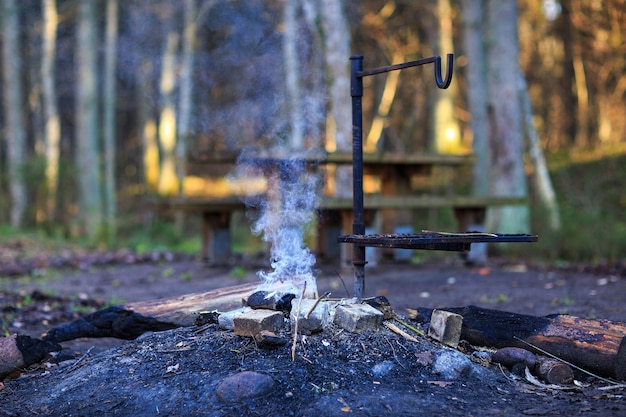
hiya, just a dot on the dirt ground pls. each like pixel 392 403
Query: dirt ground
pixel 375 373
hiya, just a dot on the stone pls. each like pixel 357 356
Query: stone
pixel 244 385
pixel 382 304
pixel 451 365
pixel 226 319
pixel 357 317
pixel 270 300
pixel 251 323
pixel 445 327
pixel 318 319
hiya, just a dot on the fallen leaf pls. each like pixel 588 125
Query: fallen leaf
pixel 345 409
pixel 424 358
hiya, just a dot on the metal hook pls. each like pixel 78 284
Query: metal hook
pixel 449 67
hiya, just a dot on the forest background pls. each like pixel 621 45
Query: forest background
pixel 103 101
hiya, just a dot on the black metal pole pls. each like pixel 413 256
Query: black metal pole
pixel 358 227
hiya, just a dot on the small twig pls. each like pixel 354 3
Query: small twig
pixel 295 326
pixel 343 282
pixel 394 353
pixel 399 331
pixel 75 365
pixel 565 362
pixel 323 296
pixel 408 326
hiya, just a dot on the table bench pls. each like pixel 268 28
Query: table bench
pixel 335 214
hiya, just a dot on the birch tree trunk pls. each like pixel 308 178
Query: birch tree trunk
pixel 339 121
pixel 337 52
pixel 109 118
pixel 13 108
pixel 540 176
pixel 505 118
pixel 52 123
pixel 292 74
pixel 87 163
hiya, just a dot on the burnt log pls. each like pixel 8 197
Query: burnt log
pixel 131 320
pixel 18 352
pixel 597 346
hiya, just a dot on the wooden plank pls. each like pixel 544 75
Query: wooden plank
pixel 375 201
pixel 228 157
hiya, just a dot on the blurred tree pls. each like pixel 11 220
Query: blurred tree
pixel 110 62
pixel 168 184
pixel 86 152
pixel 504 116
pixel 52 120
pixel 15 131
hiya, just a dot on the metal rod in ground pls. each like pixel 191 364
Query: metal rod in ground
pixel 358 227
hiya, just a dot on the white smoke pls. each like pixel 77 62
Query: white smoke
pixel 284 214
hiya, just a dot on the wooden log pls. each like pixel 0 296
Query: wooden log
pixel 554 372
pixel 598 346
pixel 18 352
pixel 129 321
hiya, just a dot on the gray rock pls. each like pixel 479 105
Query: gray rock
pixel 244 385
pixel 451 365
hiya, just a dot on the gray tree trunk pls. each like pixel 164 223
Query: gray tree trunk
pixel 110 62
pixel 292 74
pixel 476 73
pixel 52 123
pixel 337 54
pixel 13 108
pixel 505 118
pixel 87 162
pixel 540 176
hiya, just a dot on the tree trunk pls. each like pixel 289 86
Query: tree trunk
pixel 337 54
pixel 476 73
pixel 447 133
pixel 507 176
pixel 109 118
pixel 292 74
pixel 13 107
pixel 540 175
pixel 186 100
pixel 168 184
pixel 87 161
pixel 52 122
pixel 148 128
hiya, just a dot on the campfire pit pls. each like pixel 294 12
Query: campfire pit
pixel 424 241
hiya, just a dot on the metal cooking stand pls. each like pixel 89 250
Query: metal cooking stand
pixel 424 241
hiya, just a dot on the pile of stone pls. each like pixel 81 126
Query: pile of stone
pixel 264 315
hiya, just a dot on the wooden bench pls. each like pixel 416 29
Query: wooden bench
pixel 335 214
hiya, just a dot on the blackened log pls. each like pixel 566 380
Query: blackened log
pixel 114 321
pixel 131 320
pixel 598 346
pixel 18 351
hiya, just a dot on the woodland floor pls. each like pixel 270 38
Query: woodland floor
pixel 335 373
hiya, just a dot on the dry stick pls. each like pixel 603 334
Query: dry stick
pixel 408 326
pixel 343 282
pixel 323 296
pixel 566 362
pixel 295 327
pixel 398 330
